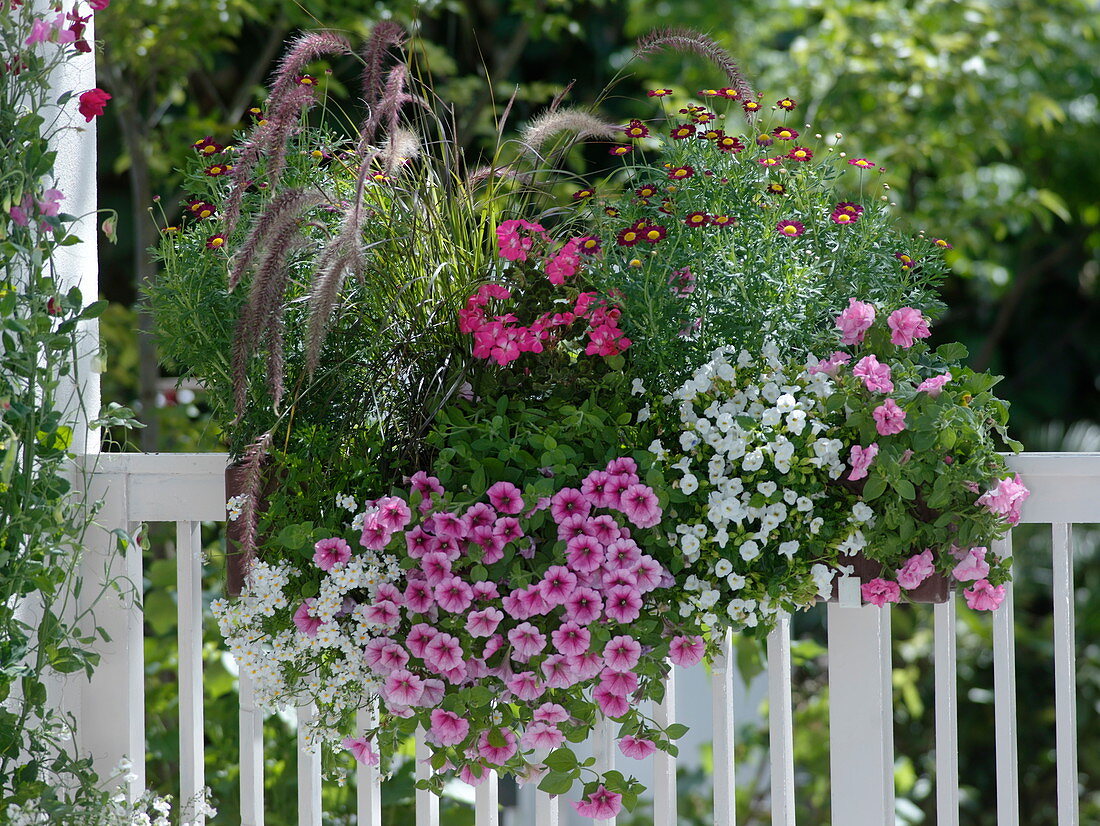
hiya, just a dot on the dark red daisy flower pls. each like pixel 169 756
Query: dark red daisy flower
pixel 697 219
pixel 306 80
pixel 724 221
pixel 840 216
pixel 214 170
pixel 620 150
pixel 729 94
pixel 215 242
pixel 728 143
pixel 636 129
pixel 790 229
pixel 628 237
pixel 581 194
pixel 659 93
pixel 711 134
pixel 848 206
pixel 786 104
pixel 679 173
pixel 785 134
pixel 647 191
pixel 776 188
pixel 207 146
pixel 684 131
pixel 201 209
pixel 611 211
pixel 589 245
pixel 800 153
pixel 907 261
pixel 704 117
pixel 653 233
pixel 750 106
pixel 708 93
pixel 939 242
pixel 770 161
pixel 764 140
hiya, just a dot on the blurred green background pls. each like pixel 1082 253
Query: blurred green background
pixel 984 114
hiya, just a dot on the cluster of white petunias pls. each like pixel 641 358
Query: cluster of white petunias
pixel 262 629
pixel 762 516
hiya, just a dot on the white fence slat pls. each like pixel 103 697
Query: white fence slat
pixel 427 804
pixel 725 797
pixel 546 809
pixel 781 723
pixel 251 728
pixel 947 711
pixel 1004 702
pixel 664 765
pixel 368 780
pixel 309 770
pixel 1065 674
pixel 486 806
pixel 189 638
pixel 861 719
pixel 603 748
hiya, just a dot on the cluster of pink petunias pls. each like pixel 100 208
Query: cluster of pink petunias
pixel 1006 499
pixel 564 631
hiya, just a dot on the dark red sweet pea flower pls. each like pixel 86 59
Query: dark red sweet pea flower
pixel 92 103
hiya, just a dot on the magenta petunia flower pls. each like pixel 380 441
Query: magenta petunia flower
pixel 418 597
pixel 854 321
pixel 525 685
pixel 527 641
pixel 639 504
pixel 304 620
pixel 637 748
pixel 624 603
pixel 443 653
pixel 860 459
pixel 584 606
pixel 623 554
pixel 403 687
pixel 361 750
pixel 419 636
pixel 474 775
pixel 436 567
pixel 622 653
pixel 790 229
pixel 611 704
pixel 382 612
pixel 393 513
pixel 686 651
pixel 600 804
pixel 983 596
pixel 567 502
pixel 331 552
pixel 551 713
pixel 648 573
pixel 880 591
pixel 453 594
pixel 889 418
pixel 620 682
pixel 586 666
pixel 497 755
pixel 584 553
pixel 972 566
pixel 875 375
pixel 483 623
pixel 375 535
pixel 557 584
pixel 571 639
pixel 830 366
pixel 390 658
pixel 557 671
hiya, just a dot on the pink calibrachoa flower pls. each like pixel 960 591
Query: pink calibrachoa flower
pixel 875 375
pixel 551 713
pixel 686 651
pixel 624 603
pixel 304 621
pixel 916 570
pixel 1006 499
pixel 448 729
pixel 972 566
pixel 505 497
pixel 92 103
pixel 983 596
pixel 331 552
pixel 889 418
pixel 880 591
pixel 483 623
pixel 854 321
pixel 541 736
pixel 907 325
pixel 934 385
pixel 497 755
pixel 610 703
pixel 403 687
pixel 361 750
pixel 600 805
pixel 639 504
pixel 622 653
pixel 637 748
pixel 860 459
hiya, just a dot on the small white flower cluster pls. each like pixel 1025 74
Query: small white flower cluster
pixel 758 462
pixel 261 630
pixel 235 506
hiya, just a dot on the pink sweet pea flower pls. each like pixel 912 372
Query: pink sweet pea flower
pixel 506 497
pixel 331 552
pixel 622 653
pixel 637 748
pixel 982 596
pixel 600 805
pixel 403 688
pixel 40 32
pixel 880 591
pixel 448 729
pixel 1006 499
pixel 98 5
pixel 875 375
pixel 361 750
pixel 611 704
pixel 624 603
pixel 860 459
pixel 972 566
pixel 906 325
pixel 639 503
pixel 889 418
pixel 497 755
pixel 916 570
pixel 686 651
pixel 541 736
pixel 304 621
pixel 934 385
pixel 483 623
pixel 49 204
pixel 855 321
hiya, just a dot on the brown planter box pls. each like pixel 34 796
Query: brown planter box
pixel 935 589
pixel 236 566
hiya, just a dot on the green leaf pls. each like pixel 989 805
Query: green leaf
pixel 561 760
pixel 952 352
pixel 676 731
pixel 556 783
pixel 874 488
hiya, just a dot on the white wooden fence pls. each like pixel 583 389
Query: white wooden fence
pixel 187 489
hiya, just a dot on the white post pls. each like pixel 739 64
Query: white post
pixel 861 722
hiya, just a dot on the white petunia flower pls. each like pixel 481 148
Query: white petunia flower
pixel 689 484
pixel 749 550
pixel 722 567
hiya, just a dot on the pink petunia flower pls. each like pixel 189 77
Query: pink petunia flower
pixel 907 325
pixel 972 566
pixel 551 713
pixel 443 654
pixel 855 321
pixel 600 805
pixel 557 584
pixel 567 502
pixel 329 553
pixel 375 535
pixel 382 612
pixel 393 512
pixel 453 594
pixel 889 418
pixel 622 653
pixel 557 671
pixel 594 488
pixel 637 748
pixel 403 687
pixel 611 704
pixel 1006 499
pixel 474 775
pixel 880 591
pixel 584 606
pixel 361 750
pixel 982 596
pixel 620 682
pixel 433 692
pixel 505 497
pixel 686 651
pixel 587 665
pixel 648 573
pixel 623 554
pixel 418 596
pixel 483 623
pixel 448 729
pixel 497 755
pixel 860 459
pixel 525 685
pixel 541 736
pixel 875 375
pixel 624 604
pixel 419 636
pixel 584 554
pixel 304 620
pixel 485 591
pixel 831 365
pixel 527 641
pixel 916 570
pixel 639 503
pixel 934 385
pixel 571 639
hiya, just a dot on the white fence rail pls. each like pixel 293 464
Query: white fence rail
pixel 187 489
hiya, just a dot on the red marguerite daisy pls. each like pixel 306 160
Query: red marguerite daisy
pixel 842 217
pixel 939 242
pixel 848 206
pixel 711 135
pixel 628 237
pixel 620 150
pixel 215 242
pixel 704 117
pixel 653 233
pixel 306 80
pixel 776 188
pixel 800 153
pixel 214 170
pixel 728 143
pixel 724 221
pixel 750 106
pixel 679 173
pixel 785 134
pixel 589 245
pixel 611 212
pixel 697 219
pixel 201 209
pixel 764 140
pixel 207 146
pixel 862 163
pixel 786 104
pixel 906 260
pixel 728 93
pixel 659 93
pixel 770 161
pixel 581 194
pixel 636 129
pixel 708 93
pixel 683 131
pixel 790 229
pixel 647 191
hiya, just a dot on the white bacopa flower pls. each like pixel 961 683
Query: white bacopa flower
pixel 637 388
pixel 689 484
pixel 722 567
pixel 861 512
pixel 749 550
pixel 789 549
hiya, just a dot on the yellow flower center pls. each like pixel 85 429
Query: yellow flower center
pixel 789 230
pixel 635 262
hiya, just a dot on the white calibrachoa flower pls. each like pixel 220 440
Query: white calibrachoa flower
pixel 761 465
